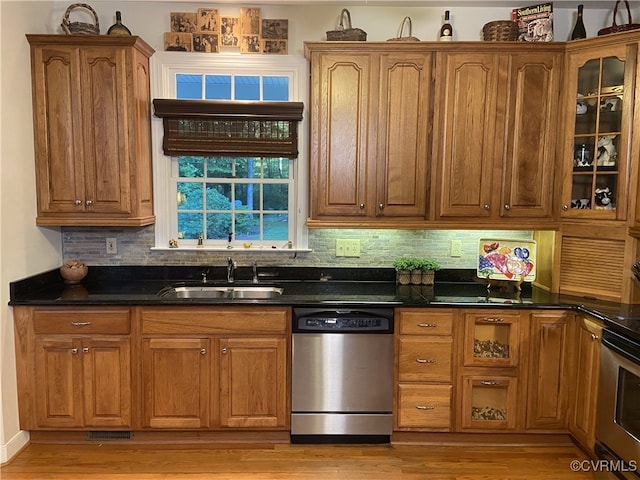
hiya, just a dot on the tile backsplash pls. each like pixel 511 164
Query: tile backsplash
pixel 378 248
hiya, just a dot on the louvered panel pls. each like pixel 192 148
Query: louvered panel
pixel 584 263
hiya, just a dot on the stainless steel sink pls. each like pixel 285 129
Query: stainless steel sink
pixel 201 291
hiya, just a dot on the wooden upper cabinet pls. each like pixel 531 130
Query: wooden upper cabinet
pixel 598 147
pixel 370 125
pixel 91 104
pixel 495 133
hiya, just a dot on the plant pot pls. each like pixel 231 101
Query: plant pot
pixel 403 277
pixel 416 277
pixel 428 277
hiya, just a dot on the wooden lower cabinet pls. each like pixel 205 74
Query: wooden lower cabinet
pixel 582 421
pixel 424 407
pixel 490 402
pixel 215 368
pixel 74 368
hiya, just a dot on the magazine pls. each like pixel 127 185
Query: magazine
pixel 535 22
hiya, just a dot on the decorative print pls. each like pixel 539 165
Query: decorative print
pixel 507 259
pixel 183 22
pixel 207 21
pixel 230 32
pixel 250 21
pixel 178 42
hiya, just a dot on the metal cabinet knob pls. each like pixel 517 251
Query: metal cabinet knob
pixel 224 350
pixel 487 206
pixel 594 336
pixel 74 351
pixel 362 206
pixel 507 207
pixel 565 208
pixel 88 203
pixel 203 351
pixel 381 206
pixel 78 202
pixel 85 350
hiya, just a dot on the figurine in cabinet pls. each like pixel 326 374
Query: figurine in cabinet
pixel 603 199
pixel 606 151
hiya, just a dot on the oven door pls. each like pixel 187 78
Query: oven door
pixel 618 414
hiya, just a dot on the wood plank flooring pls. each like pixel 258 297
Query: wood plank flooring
pixel 293 462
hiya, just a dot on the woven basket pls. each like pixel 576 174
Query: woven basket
pixel 345 32
pixel 500 31
pixel 401 36
pixel 80 28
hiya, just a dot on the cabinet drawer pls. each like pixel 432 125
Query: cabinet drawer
pixel 214 320
pixel 111 321
pixel 425 321
pixel 424 359
pixel 424 406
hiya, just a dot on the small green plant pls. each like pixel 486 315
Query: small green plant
pixel 414 263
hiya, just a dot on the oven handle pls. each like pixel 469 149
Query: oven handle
pixel 621 345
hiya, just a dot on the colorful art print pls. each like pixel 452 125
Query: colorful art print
pixel 250 44
pixel 505 259
pixel 229 31
pixel 178 42
pixel 207 20
pixel 534 22
pixel 206 42
pixel 183 22
pixel 276 47
pixel 250 21
pixel 275 29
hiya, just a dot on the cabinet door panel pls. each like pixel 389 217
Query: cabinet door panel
pixel 58 151
pixel 340 148
pixel 403 128
pixel 107 382
pixel 467 100
pixel 105 125
pixel 58 383
pixel 176 382
pixel 531 126
pixel 253 382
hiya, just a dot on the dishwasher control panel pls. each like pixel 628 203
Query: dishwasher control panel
pixel 371 321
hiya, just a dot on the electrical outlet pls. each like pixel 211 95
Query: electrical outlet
pixel 456 248
pixel 112 245
pixel 347 248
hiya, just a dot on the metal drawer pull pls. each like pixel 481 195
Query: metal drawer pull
pixel 425 407
pixel 80 324
pixel 492 320
pixel 490 383
pixel 422 360
pixel 428 325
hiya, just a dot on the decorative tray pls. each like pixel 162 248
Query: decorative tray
pixel 505 259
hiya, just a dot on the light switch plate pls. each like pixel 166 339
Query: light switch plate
pixel 347 248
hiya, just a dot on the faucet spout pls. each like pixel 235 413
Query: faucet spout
pixel 255 272
pixel 231 267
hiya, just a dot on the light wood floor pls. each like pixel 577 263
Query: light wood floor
pixel 293 462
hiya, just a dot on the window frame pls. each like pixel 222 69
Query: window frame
pixel 164 66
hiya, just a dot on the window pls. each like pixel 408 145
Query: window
pixel 258 198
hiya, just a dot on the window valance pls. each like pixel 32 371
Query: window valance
pixel 236 129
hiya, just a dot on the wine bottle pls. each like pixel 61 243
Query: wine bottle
pixel 578 29
pixel 118 28
pixel 446 31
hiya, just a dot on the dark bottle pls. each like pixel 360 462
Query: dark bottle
pixel 446 31
pixel 578 29
pixel 118 28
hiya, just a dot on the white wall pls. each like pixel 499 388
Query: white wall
pixel 27 249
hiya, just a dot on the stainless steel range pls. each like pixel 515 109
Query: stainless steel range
pixel 342 375
pixel 618 417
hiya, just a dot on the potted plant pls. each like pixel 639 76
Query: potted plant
pixel 428 266
pixel 415 270
pixel 404 266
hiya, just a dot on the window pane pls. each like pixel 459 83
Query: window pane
pixel 218 87
pixel 247 88
pixel 248 226
pixel 248 196
pixel 276 227
pixel 218 226
pixel 276 168
pixel 189 86
pixel 276 196
pixel 191 224
pixel 220 167
pixel 218 196
pixel 189 196
pixel 248 168
pixel 275 89
pixel 190 167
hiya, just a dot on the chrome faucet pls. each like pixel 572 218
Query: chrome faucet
pixel 255 272
pixel 231 266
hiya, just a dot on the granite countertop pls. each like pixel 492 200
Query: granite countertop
pixel 306 286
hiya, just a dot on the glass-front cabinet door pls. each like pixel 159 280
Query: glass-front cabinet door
pixel 600 92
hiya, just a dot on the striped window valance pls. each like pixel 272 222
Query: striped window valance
pixel 229 128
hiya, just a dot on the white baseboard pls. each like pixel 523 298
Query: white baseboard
pixel 13 446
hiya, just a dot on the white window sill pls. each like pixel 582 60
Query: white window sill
pixel 240 248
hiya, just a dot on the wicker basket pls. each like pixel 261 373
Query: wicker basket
pixel 500 31
pixel 80 28
pixel 345 32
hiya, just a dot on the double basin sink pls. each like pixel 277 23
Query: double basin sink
pixel 222 291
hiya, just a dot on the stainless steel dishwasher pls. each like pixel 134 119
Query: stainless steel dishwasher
pixel 342 375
